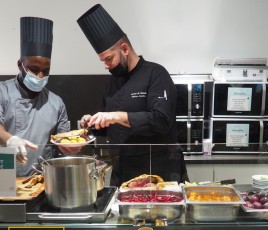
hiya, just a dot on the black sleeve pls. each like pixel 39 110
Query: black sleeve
pixel 161 105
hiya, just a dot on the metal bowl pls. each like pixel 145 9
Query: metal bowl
pixel 150 211
pixel 212 210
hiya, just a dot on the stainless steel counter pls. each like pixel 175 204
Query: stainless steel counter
pixel 227 159
pixel 114 221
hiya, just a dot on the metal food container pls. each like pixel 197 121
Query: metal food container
pixel 212 210
pixel 255 213
pixel 150 211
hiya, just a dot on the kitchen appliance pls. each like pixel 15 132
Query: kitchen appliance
pixel 70 182
pixel 240 69
pixel 238 136
pixel 190 135
pixel 233 99
pixel 191 94
pixel 39 210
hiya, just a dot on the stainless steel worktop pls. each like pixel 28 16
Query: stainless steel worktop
pixel 114 221
pixel 224 159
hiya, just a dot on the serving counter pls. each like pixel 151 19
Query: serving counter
pixel 244 220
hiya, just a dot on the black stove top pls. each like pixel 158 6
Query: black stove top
pixel 103 199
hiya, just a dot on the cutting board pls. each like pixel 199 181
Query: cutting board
pixel 25 193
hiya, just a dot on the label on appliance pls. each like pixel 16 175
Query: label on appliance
pixel 7 171
pixel 239 99
pixel 237 135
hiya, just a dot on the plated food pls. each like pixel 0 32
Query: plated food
pixel 154 196
pixel 33 180
pixel 149 182
pixel 72 138
pixel 27 188
pixel 256 199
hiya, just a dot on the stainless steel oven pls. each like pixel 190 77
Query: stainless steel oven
pixel 190 135
pixel 236 99
pixel 238 136
pixel 191 94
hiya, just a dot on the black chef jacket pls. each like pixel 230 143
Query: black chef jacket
pixel 149 96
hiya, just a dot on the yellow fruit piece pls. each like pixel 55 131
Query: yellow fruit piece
pixel 65 141
pixel 73 141
pixel 187 183
pixel 74 138
pixel 81 139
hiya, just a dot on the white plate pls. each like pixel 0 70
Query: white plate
pixel 79 144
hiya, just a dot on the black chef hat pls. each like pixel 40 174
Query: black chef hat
pixel 36 36
pixel 100 28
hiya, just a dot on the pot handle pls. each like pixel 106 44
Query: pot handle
pixel 41 160
pixel 37 170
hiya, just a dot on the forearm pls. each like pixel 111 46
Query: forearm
pixel 120 118
pixel 4 135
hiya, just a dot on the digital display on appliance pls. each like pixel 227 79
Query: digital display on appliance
pixel 237 135
pixel 239 99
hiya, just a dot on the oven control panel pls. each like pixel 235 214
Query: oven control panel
pixel 190 135
pixel 197 99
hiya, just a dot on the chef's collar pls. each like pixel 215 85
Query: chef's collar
pixel 25 91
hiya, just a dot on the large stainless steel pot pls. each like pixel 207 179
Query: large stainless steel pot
pixel 70 182
pixel 102 169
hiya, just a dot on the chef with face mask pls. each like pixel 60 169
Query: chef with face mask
pixel 29 112
pixel 139 103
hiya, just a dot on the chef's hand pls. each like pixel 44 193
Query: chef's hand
pixel 20 145
pixel 101 119
pixel 105 119
pixel 70 150
pixel 84 121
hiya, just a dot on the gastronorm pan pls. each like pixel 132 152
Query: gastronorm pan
pixel 212 210
pixel 150 211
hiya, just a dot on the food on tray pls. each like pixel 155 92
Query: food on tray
pixel 151 196
pixel 142 181
pixel 211 197
pixel 74 136
pixel 149 182
pixel 256 199
pixel 186 183
pixel 34 181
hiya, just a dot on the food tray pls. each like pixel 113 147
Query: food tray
pixel 212 210
pixel 150 211
pixel 256 213
pixel 23 193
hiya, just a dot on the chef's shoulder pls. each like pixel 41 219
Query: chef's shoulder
pixel 7 86
pixel 53 97
pixel 156 69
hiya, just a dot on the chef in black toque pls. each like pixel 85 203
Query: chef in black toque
pixel 29 112
pixel 138 106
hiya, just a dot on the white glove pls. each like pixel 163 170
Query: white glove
pixel 20 145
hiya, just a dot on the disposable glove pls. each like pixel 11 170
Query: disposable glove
pixel 20 145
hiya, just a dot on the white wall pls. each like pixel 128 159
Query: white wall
pixel 182 35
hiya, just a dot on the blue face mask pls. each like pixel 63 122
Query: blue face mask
pixel 34 83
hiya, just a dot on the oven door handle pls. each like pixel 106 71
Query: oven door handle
pixel 65 216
